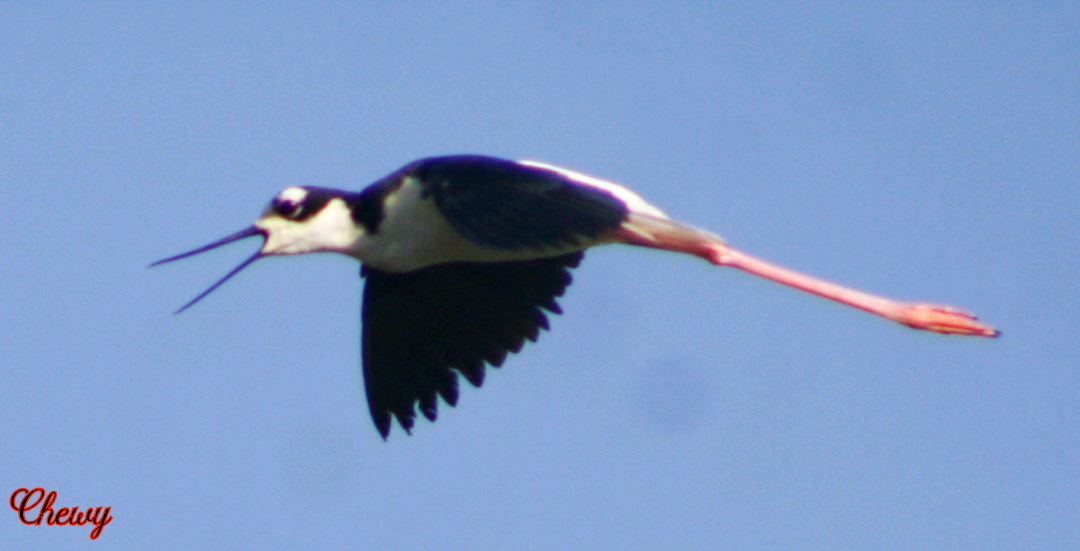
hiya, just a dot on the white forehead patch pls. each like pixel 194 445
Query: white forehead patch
pixel 293 194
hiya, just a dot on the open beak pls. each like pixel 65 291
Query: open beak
pixel 243 234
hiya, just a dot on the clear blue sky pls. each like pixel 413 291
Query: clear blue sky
pixel 922 151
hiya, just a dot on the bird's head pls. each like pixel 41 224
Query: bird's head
pixel 298 220
pixel 306 220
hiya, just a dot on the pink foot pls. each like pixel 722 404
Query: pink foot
pixel 943 319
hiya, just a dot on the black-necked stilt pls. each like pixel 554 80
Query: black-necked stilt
pixel 463 254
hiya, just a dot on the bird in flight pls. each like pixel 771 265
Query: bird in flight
pixel 462 255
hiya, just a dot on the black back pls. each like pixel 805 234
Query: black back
pixel 506 205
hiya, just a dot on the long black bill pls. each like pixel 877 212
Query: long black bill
pixel 243 234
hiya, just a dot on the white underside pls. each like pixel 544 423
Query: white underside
pixel 413 234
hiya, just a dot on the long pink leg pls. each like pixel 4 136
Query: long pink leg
pixel 660 233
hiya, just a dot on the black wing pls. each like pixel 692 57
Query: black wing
pixel 507 205
pixel 417 326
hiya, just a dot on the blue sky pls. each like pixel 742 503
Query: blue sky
pixel 922 151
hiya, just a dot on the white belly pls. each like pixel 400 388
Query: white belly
pixel 413 234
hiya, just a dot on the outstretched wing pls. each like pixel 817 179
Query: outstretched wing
pixel 420 326
pixel 510 205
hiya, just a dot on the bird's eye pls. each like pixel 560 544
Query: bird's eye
pixel 287 208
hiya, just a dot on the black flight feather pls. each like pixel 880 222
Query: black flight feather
pixel 420 327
